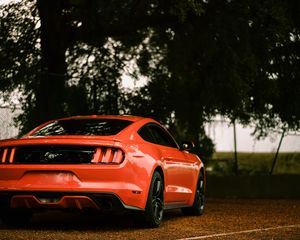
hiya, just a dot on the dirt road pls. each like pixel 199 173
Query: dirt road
pixel 223 219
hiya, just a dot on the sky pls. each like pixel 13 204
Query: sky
pixel 4 1
pixel 8 1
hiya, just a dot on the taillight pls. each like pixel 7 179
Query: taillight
pixel 7 155
pixel 108 155
pixel 99 155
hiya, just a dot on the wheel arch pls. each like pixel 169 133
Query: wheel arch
pixel 161 172
pixel 202 170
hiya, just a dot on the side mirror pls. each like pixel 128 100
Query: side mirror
pixel 187 145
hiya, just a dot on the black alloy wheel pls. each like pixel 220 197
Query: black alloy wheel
pixel 155 203
pixel 199 200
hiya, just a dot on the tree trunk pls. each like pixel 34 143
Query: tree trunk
pixel 50 91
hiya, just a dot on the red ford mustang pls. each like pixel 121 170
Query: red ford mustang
pixel 99 162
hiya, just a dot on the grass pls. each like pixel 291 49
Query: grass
pixel 222 163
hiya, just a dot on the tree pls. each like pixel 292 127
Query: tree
pixel 236 59
pixel 20 56
pixel 50 94
pixel 239 59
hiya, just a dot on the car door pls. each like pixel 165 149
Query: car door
pixel 178 167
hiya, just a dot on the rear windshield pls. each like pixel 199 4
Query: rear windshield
pixel 83 126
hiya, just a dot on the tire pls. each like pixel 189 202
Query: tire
pixel 16 217
pixel 154 210
pixel 199 201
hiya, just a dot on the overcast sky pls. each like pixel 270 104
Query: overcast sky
pixel 7 1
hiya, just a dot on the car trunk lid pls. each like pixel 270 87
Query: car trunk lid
pixel 61 150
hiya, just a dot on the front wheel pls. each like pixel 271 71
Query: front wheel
pixel 199 200
pixel 155 203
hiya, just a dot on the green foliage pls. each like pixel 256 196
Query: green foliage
pixel 225 62
pixel 254 163
pixel 94 78
pixel 20 56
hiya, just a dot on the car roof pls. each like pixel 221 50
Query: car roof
pixel 119 117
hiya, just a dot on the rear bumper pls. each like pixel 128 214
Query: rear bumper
pixel 128 182
pixel 63 200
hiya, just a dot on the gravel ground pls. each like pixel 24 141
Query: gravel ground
pixel 223 219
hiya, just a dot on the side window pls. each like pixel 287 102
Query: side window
pixel 145 133
pixel 162 137
pixel 155 134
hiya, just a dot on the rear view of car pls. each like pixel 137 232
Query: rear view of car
pixel 93 162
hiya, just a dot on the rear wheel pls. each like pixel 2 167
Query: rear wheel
pixel 155 203
pixel 16 217
pixel 199 201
